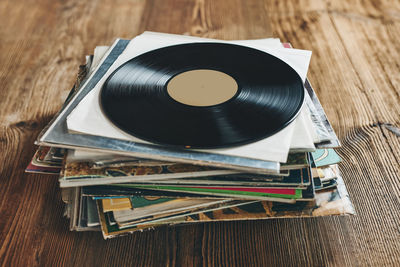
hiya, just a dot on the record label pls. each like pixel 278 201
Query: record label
pixel 202 88
pixel 202 95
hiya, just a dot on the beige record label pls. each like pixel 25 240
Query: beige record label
pixel 202 87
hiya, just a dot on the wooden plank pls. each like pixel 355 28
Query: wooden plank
pixel 212 19
pixel 354 70
pixel 352 60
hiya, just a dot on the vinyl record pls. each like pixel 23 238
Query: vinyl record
pixel 202 95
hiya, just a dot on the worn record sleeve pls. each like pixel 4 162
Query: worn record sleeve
pixel 92 215
pixel 172 218
pixel 143 208
pixel 332 140
pixel 112 169
pixel 84 173
pixel 111 228
pixel 326 134
pixel 328 202
pixel 287 195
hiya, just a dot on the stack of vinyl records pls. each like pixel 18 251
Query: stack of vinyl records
pixel 167 129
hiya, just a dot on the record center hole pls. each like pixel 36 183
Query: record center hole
pixel 202 87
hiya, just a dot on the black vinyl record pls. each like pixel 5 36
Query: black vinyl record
pixel 269 95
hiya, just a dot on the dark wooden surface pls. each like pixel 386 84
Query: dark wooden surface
pixel 355 70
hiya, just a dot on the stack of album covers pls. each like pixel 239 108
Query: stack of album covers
pixel 169 130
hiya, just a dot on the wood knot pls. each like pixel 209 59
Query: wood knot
pixel 27 124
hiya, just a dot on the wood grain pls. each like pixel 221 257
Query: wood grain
pixel 354 69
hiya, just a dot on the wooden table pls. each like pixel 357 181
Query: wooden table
pixel 355 70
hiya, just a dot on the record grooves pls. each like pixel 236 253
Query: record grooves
pixel 268 97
